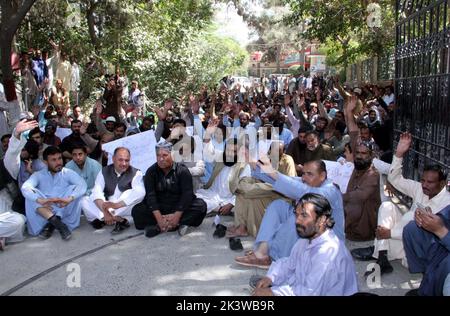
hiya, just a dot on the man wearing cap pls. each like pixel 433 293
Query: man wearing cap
pixel 117 189
pixel 108 127
pixel 110 122
pixel 170 203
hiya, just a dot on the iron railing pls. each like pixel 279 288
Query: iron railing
pixel 422 82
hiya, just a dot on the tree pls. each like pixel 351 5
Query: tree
pixel 342 26
pixel 12 14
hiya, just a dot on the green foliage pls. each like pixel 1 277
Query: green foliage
pixel 295 70
pixel 168 46
pixel 341 27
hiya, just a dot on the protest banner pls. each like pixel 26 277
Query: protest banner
pixel 339 173
pixel 141 146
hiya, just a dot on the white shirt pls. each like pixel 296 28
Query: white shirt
pixel 129 197
pixel 322 266
pixel 219 193
pixel 414 190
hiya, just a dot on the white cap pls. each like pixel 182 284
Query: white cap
pixel 110 119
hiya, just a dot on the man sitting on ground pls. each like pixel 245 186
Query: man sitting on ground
pixel 319 263
pixel 118 188
pixel 277 234
pixel 52 197
pixel 429 192
pixel 170 202
pixel 427 247
pixel 85 167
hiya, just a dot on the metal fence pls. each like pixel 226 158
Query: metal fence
pixel 373 69
pixel 422 64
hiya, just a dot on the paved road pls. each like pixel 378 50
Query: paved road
pixel 131 264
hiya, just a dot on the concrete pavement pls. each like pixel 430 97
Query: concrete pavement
pixel 131 264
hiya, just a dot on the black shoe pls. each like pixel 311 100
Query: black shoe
pixel 152 231
pixel 235 244
pixel 61 227
pixel 47 232
pixel 97 224
pixel 220 231
pixel 414 292
pixel 385 267
pixel 120 227
pixel 363 254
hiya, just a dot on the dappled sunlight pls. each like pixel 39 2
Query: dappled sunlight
pixel 209 273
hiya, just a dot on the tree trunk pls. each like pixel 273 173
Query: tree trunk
pixel 91 25
pixel 8 78
pixel 278 58
pixel 12 15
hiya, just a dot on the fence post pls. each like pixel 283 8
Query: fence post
pixel 374 78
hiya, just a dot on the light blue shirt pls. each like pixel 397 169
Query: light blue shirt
pixel 43 184
pixel 88 173
pixel 294 188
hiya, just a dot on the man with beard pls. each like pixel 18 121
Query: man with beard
pixel 37 136
pixel 319 263
pixel 429 192
pixel 52 198
pixel 253 196
pixel 362 199
pixel 277 234
pixel 85 167
pixel 187 150
pixel 170 203
pixel 73 139
pixel 313 150
pixel 321 125
pixel 148 123
pixel 297 146
pixel 219 192
pixel 49 136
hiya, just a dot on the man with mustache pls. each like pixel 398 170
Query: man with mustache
pixel 429 192
pixel 362 199
pixel 319 263
pixel 277 236
pixel 219 192
pixel 52 197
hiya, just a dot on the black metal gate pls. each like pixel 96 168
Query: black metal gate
pixel 422 63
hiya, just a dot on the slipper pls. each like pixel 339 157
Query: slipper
pixel 220 231
pixel 235 244
pixel 253 261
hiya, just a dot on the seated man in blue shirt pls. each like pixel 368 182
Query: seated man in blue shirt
pixel 52 197
pixel 427 246
pixel 277 234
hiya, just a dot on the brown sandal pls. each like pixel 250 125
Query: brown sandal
pixel 252 261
